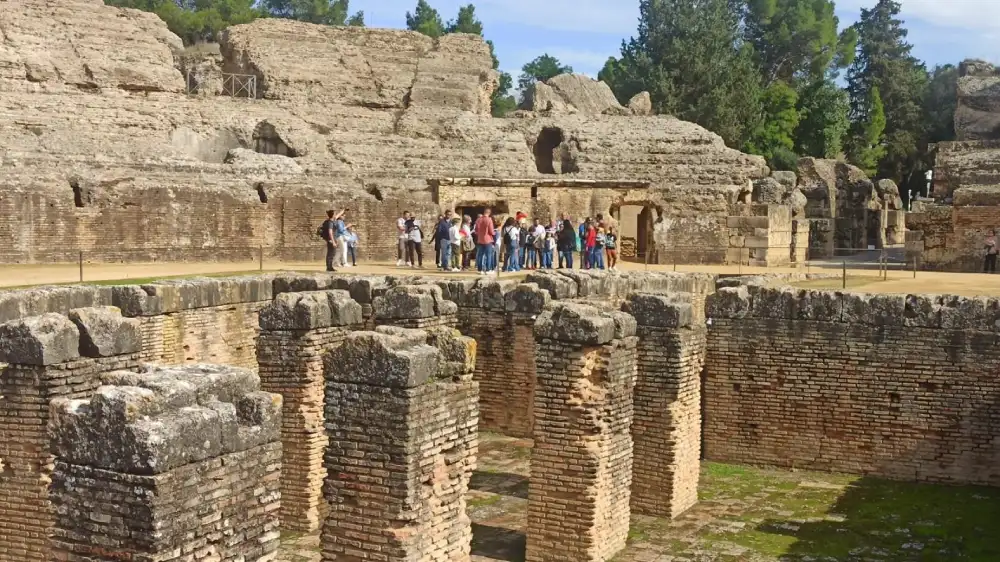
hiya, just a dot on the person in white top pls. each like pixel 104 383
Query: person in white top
pixel 455 239
pixel 401 253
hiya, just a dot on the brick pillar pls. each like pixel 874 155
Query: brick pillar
pixel 401 416
pixel 48 356
pixel 511 395
pixel 667 424
pixel 296 330
pixel 194 452
pixel 414 306
pixel 581 464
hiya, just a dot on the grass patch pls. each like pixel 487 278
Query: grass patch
pixel 484 501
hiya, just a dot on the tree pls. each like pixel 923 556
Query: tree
pixel 884 63
pixel 940 103
pixel 775 132
pixel 541 69
pixel 425 20
pixel 797 38
pixel 865 145
pixel 196 20
pixel 823 119
pixel 328 12
pixel 466 22
pixel 691 57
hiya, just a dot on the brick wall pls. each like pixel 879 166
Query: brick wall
pixel 193 451
pixel 897 386
pixel 581 463
pixel 950 238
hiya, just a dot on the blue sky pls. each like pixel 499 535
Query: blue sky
pixel 584 33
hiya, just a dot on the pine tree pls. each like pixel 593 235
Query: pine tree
pixel 823 119
pixel 425 20
pixel 541 69
pixel 865 148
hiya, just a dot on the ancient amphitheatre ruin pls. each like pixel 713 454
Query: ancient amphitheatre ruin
pixel 558 416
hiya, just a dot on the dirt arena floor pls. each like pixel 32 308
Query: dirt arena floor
pixel 864 280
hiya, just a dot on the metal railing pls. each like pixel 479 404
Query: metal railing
pixel 233 85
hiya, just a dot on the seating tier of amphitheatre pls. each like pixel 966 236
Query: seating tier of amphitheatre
pixel 351 405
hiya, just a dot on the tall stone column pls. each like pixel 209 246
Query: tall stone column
pixel 402 417
pixel 49 356
pixel 297 329
pixel 667 424
pixel 415 306
pixel 175 463
pixel 581 464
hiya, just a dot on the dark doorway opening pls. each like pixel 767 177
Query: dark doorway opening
pixel 261 193
pixel 548 141
pixel 643 230
pixel 475 209
pixel 77 194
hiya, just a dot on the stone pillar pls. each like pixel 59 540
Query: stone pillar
pixel 414 306
pixel 401 417
pixel 581 464
pixel 175 463
pixel 508 393
pixel 667 424
pixel 296 331
pixel 48 356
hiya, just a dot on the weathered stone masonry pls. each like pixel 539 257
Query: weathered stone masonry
pixel 667 424
pixel 50 356
pixel 297 329
pixel 175 463
pixel 898 386
pixel 401 416
pixel 581 464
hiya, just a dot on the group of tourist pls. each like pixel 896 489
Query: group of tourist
pixel 341 240
pixel 515 244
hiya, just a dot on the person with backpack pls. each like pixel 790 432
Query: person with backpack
pixel 341 236
pixel 485 238
pixel 468 243
pixel 512 243
pixel 455 240
pixel 327 231
pixel 535 244
pixel 566 244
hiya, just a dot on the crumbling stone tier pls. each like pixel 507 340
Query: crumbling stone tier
pixel 297 329
pixel 401 415
pixel 666 428
pixel 48 357
pixel 892 385
pixel 174 463
pixel 581 464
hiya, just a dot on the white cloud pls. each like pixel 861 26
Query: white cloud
pixel 962 14
pixel 582 61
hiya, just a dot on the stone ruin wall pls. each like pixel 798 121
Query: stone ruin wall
pixel 947 234
pixel 898 386
pixel 105 152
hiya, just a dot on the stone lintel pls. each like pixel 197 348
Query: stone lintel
pixel 526 298
pixel 410 302
pixel 104 332
pixel 672 310
pixel 310 311
pixel 381 359
pixel 39 340
pixel 583 324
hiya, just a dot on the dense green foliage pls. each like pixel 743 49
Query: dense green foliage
pixel 823 119
pixel 197 20
pixel 940 103
pixel 541 69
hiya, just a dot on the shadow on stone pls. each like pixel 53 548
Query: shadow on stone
pixel 497 543
pixel 501 483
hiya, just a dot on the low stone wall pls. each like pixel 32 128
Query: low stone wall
pixel 192 453
pixel 49 357
pixel 891 385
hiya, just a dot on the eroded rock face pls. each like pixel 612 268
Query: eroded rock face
pixel 572 93
pixel 977 116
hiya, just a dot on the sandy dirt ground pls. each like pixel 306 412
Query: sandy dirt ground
pixel 899 280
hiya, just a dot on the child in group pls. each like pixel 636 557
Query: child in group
pixel 611 248
pixel 352 245
pixel 550 245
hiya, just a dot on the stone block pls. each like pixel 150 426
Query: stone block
pixel 560 287
pixel 135 301
pixel 490 294
pixel 295 283
pixel 408 302
pixel 382 360
pixel 577 323
pixel 728 302
pixel 297 311
pixel 923 311
pixel 785 178
pixel 663 311
pixel 526 298
pixel 165 418
pixel 874 310
pixel 39 340
pixel 757 242
pixel 970 313
pixel 344 310
pixel 104 332
pixel 821 306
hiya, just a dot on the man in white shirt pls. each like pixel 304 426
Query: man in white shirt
pixel 401 232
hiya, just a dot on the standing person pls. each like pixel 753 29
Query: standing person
pixel 329 232
pixel 498 242
pixel 352 245
pixel 341 237
pixel 611 247
pixel 468 245
pixel 582 241
pixel 533 242
pixel 402 238
pixel 512 241
pixel 436 239
pixel 566 244
pixel 484 241
pixel 414 244
pixel 589 245
pixel 444 237
pixel 522 243
pixel 990 265
pixel 550 244
pixel 599 241
pixel 455 240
